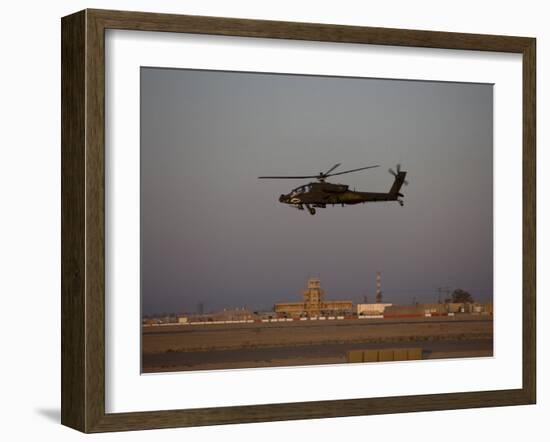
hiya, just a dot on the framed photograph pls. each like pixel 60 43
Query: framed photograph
pixel 268 220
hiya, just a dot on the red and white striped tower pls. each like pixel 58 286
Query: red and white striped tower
pixel 378 287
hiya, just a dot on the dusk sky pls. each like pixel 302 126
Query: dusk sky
pixel 212 233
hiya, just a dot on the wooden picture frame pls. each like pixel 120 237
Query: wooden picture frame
pixel 83 220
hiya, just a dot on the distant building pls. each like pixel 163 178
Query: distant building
pixel 371 309
pixel 434 308
pixel 227 314
pixel 455 307
pixel 235 314
pixel 416 309
pixel 313 304
pixel 265 315
pixel 438 309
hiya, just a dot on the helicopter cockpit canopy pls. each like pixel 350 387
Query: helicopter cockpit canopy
pixel 300 190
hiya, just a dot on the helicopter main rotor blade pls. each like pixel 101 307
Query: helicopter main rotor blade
pixel 331 169
pixel 286 177
pixel 352 170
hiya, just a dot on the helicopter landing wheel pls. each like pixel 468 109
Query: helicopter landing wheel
pixel 312 211
pixel 401 203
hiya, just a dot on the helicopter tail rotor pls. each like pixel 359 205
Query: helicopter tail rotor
pixel 396 174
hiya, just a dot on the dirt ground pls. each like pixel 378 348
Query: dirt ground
pixel 206 347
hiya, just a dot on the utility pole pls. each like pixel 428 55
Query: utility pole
pixel 440 290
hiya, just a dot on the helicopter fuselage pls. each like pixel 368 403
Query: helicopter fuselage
pixel 321 193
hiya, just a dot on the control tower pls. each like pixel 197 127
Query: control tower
pixel 313 296
pixel 314 304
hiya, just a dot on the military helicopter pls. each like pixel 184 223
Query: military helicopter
pixel 319 194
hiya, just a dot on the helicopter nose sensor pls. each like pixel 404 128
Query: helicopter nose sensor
pixel 282 198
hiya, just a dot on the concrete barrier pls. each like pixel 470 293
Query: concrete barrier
pixel 400 354
pixel 354 356
pixel 414 354
pixel 370 356
pixel 384 355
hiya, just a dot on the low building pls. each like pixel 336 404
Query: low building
pixel 468 307
pixel 486 309
pixel 437 309
pixel 235 314
pixel 313 304
pixel 264 315
pixel 434 308
pixel 455 307
pixel 371 309
pixel 404 309
pixel 416 309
